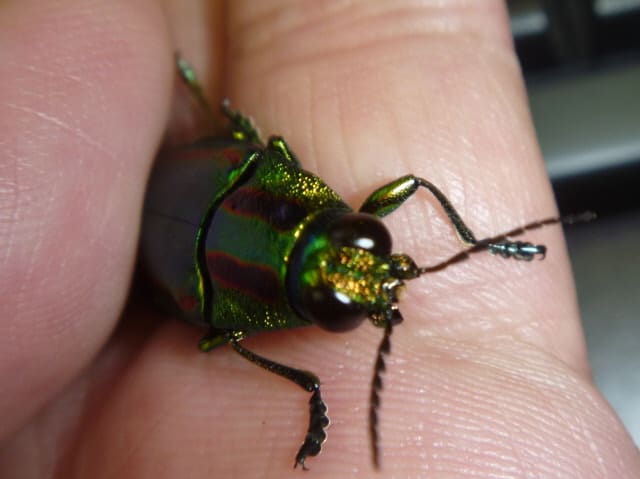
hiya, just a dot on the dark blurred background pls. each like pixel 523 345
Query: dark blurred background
pixel 581 61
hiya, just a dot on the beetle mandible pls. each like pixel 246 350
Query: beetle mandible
pixel 238 238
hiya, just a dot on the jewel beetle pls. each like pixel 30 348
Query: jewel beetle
pixel 239 239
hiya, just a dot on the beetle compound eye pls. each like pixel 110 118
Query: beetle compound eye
pixel 330 309
pixel 361 230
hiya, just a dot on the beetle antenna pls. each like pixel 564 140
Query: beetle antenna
pixel 376 386
pixel 500 244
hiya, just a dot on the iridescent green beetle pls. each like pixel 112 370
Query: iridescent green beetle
pixel 239 239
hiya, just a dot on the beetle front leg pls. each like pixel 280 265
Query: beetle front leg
pixel 318 419
pixel 388 198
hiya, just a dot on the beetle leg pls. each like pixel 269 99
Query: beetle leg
pixel 318 419
pixel 213 339
pixel 389 197
pixel 191 81
pixel 242 128
pixel 277 143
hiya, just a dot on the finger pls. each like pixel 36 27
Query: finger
pixel 374 92
pixel 308 74
pixel 84 96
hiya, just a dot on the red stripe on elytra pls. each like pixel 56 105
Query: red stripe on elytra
pixel 254 280
pixel 281 214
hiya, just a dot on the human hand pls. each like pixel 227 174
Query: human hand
pixel 488 374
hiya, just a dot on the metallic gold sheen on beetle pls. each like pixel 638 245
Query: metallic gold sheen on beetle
pixel 238 238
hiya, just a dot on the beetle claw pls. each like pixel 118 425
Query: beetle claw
pixel 316 435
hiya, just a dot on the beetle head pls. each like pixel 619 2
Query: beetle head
pixel 344 272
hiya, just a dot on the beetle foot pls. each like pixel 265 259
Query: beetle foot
pixel 316 434
pixel 518 250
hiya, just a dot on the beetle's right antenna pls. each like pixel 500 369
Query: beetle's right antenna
pixel 376 386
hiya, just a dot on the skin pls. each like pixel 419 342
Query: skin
pixel 488 376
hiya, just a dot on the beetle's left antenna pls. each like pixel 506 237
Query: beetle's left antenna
pixel 376 386
pixel 191 81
